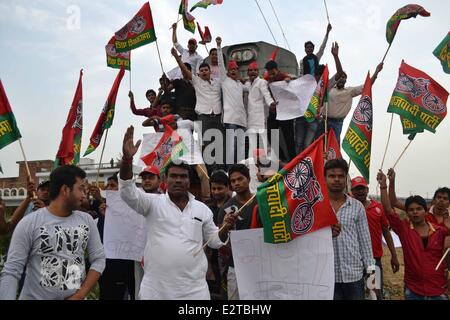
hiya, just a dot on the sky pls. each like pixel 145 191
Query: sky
pixel 44 44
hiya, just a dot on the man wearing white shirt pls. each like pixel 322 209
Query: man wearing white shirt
pixel 259 100
pixel 177 227
pixel 234 113
pixel 208 105
pixel 213 62
pixel 190 55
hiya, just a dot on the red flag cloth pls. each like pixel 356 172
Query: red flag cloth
pixel 333 148
pixel 295 201
pixel 138 32
pixel 206 36
pixel 9 132
pixel 69 148
pixel 107 116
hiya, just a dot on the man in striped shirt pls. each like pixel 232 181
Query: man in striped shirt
pixel 352 246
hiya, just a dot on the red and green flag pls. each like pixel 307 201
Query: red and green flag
pixel 117 60
pixel 419 99
pixel 406 12
pixel 9 132
pixel 205 4
pixel 319 97
pixel 442 52
pixel 188 19
pixel 295 201
pixel 333 148
pixel 136 33
pixel 169 148
pixel 107 116
pixel 70 146
pixel 358 139
pixel 205 36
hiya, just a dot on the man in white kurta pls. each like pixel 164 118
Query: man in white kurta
pixel 259 100
pixel 177 227
pixel 234 113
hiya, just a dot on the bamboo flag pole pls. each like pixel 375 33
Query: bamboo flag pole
pixel 326 8
pixel 26 163
pixel 200 166
pixel 25 159
pixel 159 56
pixel 403 153
pixel 326 127
pixel 442 259
pixel 386 52
pixel 101 156
pixel 207 50
pixel 130 77
pixel 224 225
pixel 387 144
pixel 176 22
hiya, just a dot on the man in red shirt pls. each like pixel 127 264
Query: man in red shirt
pixel 146 112
pixel 378 226
pixel 423 245
pixel 439 211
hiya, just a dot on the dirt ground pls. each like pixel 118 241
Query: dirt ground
pixel 393 283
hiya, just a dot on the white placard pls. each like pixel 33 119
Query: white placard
pixel 293 98
pixel 302 269
pixel 125 231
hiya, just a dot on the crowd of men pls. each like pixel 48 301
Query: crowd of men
pixel 53 229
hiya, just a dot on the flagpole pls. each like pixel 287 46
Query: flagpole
pixel 382 61
pixel 387 144
pixel 159 56
pixel 224 225
pixel 101 157
pixel 326 128
pixel 203 171
pixel 176 22
pixel 403 153
pixel 326 9
pixel 442 260
pixel 26 163
pixel 130 78
pixel 207 51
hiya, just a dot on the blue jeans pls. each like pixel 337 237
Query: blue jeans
pixel 305 132
pixel 349 291
pixel 409 295
pixel 336 125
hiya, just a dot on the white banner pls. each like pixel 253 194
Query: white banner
pixel 125 231
pixel 293 98
pixel 302 269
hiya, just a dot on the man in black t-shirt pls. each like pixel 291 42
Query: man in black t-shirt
pixel 185 99
pixel 239 178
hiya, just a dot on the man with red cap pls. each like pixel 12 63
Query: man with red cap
pixel 234 113
pixel 259 101
pixel 378 226
pixel 151 179
pixel 190 55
